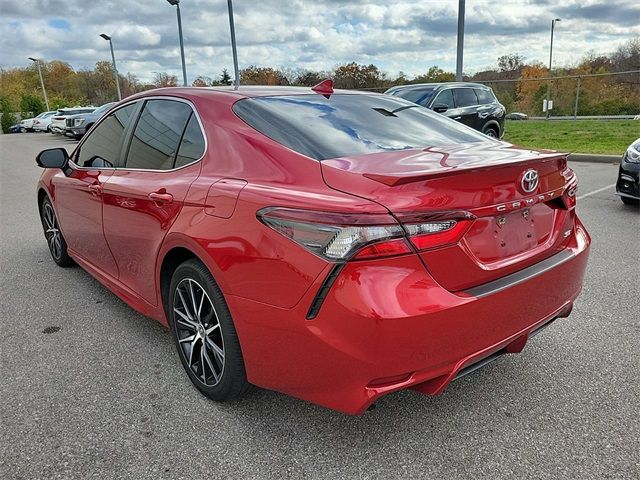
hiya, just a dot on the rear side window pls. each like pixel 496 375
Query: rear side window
pixel 421 97
pixel 350 124
pixel 157 135
pixel 484 95
pixel 445 97
pixel 465 97
pixel 102 147
pixel 192 144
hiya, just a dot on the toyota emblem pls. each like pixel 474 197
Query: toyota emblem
pixel 529 181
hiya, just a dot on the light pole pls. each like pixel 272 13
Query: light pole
pixel 184 67
pixel 113 59
pixel 460 40
pixel 553 24
pixel 44 92
pixel 236 81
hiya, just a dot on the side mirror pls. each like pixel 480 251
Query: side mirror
pixel 440 108
pixel 53 158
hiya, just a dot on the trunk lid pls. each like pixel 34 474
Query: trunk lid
pixel 512 227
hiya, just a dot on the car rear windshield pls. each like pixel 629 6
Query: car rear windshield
pixel 350 124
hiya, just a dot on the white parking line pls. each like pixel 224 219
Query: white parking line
pixel 579 197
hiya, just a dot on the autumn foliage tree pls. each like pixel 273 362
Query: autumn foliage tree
pixel 520 85
pixel 253 75
pixel 353 75
pixel 531 92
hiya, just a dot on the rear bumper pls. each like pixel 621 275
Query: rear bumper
pixel 386 325
pixel 75 131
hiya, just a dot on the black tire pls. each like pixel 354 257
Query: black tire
pixel 23 130
pixel 491 132
pixel 630 201
pixel 77 137
pixel 219 378
pixel 53 235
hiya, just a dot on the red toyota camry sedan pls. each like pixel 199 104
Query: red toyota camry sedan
pixel 332 245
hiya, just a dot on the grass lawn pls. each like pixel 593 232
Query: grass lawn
pixel 576 136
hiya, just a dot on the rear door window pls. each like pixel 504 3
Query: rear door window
pixel 157 135
pixel 465 97
pixel 192 145
pixel 102 146
pixel 484 96
pixel 445 97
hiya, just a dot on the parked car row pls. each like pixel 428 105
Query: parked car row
pixel 29 124
pixel 73 122
pixel 472 104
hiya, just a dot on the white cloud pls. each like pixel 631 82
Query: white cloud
pixel 401 35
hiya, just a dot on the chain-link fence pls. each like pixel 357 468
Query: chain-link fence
pixel 598 94
pixel 589 94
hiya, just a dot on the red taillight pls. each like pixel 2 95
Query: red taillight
pixel 450 232
pixel 384 249
pixel 569 196
pixel 339 237
pixel 335 236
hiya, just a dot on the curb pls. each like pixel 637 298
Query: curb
pixel 594 158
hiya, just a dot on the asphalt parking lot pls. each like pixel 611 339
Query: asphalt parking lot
pixel 91 389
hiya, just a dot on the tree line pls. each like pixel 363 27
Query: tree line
pixel 20 87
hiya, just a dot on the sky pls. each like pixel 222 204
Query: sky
pixel 406 35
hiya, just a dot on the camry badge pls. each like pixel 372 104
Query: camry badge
pixel 529 181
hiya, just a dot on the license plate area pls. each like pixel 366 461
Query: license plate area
pixel 503 236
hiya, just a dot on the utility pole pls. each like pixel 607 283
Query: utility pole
pixel 44 92
pixel 575 110
pixel 236 81
pixel 113 60
pixel 184 67
pixel 460 40
pixel 553 24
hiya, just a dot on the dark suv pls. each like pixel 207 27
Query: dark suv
pixel 473 104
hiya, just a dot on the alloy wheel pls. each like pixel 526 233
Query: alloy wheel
pixel 51 231
pixel 491 133
pixel 199 332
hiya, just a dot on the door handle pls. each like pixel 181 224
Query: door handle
pixel 161 197
pixel 457 118
pixel 95 189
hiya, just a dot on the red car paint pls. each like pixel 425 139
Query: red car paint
pixel 411 320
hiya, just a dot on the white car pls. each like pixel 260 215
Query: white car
pixel 26 125
pixel 59 121
pixel 42 122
